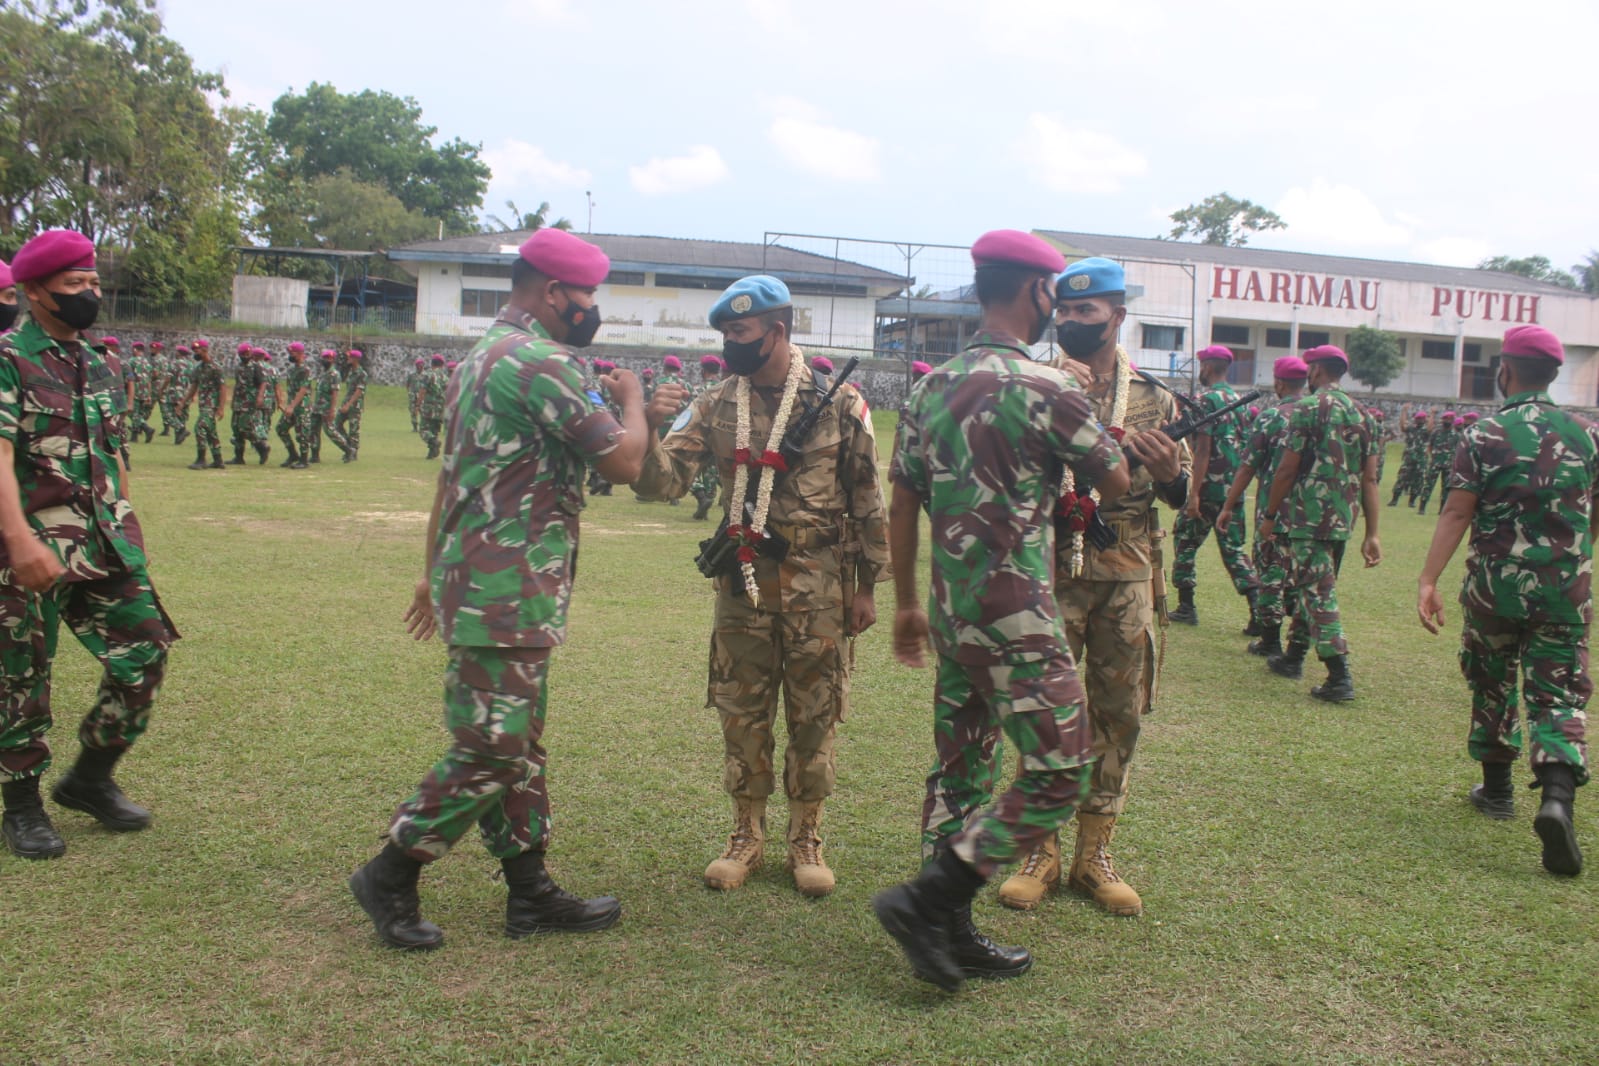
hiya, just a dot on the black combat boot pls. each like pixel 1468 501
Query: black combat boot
pixel 1496 796
pixel 703 509
pixel 294 457
pixel 216 460
pixel 978 956
pixel 1185 613
pixel 26 826
pixel 433 450
pixel 386 890
pixel 166 430
pixel 88 787
pixel 1553 823
pixel 1339 686
pixel 199 458
pixel 922 915
pixel 1270 642
pixel 181 435
pixel 238 455
pixel 536 904
pixel 262 450
pixel 1253 628
pixel 1291 663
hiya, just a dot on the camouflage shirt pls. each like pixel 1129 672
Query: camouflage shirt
pixel 1416 444
pixel 1227 437
pixel 64 411
pixel 1441 447
pixel 830 507
pixel 519 431
pixel 299 377
pixel 1265 448
pixel 245 379
pixel 430 391
pixel 180 372
pixel 1534 469
pixel 1332 436
pixel 355 386
pixel 327 390
pixel 207 378
pixel 984 441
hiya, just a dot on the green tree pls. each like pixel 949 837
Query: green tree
pixel 106 127
pixel 341 212
pixel 1587 273
pixel 531 220
pixel 1536 267
pixel 1374 356
pixel 379 139
pixel 1221 219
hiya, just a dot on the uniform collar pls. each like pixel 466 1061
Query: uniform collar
pixel 995 338
pixel 1530 396
pixel 523 320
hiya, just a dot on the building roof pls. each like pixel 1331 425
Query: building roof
pixel 732 259
pixel 1135 248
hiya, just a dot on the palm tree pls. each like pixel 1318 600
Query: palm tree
pixel 532 220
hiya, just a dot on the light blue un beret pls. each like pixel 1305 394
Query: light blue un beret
pixel 1094 276
pixel 753 295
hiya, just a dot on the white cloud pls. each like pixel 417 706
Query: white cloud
pixel 1075 160
pixel 774 16
pixel 1337 214
pixel 519 164
pixel 541 14
pixel 661 176
pixel 808 142
pixel 1452 251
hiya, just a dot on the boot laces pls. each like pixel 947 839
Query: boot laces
pixel 1101 862
pixel 1036 859
pixel 741 846
pixel 807 844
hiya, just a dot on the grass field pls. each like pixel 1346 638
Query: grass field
pixel 1317 889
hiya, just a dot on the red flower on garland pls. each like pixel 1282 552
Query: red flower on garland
pixel 1076 511
pixel 741 456
pixel 746 554
pixel 774 460
pixel 1117 432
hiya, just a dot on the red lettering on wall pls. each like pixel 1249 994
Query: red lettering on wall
pixel 1463 306
pixel 1346 295
pixel 1231 274
pixel 1527 305
pixel 1317 290
pixel 1376 287
pixel 1282 288
pixel 1488 299
pixel 1440 300
pixel 1252 288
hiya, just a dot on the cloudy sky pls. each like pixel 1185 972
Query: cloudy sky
pixel 1441 132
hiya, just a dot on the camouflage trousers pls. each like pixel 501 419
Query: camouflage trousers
pixel 706 485
pixel 1434 476
pixel 322 426
pixel 168 418
pixel 1110 627
pixel 1405 481
pixel 174 413
pixel 205 434
pixel 122 624
pixel 1191 534
pixel 493 774
pixel 1277 599
pixel 348 424
pixel 295 430
pixel 1038 705
pixel 432 430
pixel 260 426
pixel 142 406
pixel 757 654
pixel 1313 579
pixel 243 428
pixel 1553 662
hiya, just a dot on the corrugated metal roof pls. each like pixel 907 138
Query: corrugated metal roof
pixel 1304 262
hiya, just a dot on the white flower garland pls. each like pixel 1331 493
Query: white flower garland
pixel 1118 415
pixel 767 461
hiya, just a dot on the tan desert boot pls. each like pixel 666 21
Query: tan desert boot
pixel 1039 876
pixel 1092 871
pixel 811 875
pixel 745 848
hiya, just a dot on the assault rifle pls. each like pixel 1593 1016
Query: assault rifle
pixel 1192 420
pixel 718 553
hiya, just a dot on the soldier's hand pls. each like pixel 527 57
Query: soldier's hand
pixel 1191 508
pixel 419 620
pixel 1080 371
pixel 1371 551
pixel 35 566
pixel 624 387
pixel 863 612
pixel 667 403
pixel 1430 608
pixel 910 637
pixel 1224 519
pixel 1157 452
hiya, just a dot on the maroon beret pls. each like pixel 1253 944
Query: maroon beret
pixel 1327 353
pixel 51 252
pixel 568 259
pixel 1215 351
pixel 110 342
pixel 1290 368
pixel 6 280
pixel 1527 341
pixel 1012 247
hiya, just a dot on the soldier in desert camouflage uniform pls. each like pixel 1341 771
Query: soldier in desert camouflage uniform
pixel 1215 462
pixel 1107 598
pixel 206 387
pixel 791 633
pixel 1523 483
pixel 1259 460
pixel 71 550
pixel 294 423
pixel 982 447
pixel 1326 475
pixel 1441 444
pixel 326 400
pixel 502 542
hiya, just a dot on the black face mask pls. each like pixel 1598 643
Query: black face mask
pixel 8 316
pixel 1080 339
pixel 1042 326
pixel 582 323
pixel 744 358
pixel 76 310
pixel 1502 383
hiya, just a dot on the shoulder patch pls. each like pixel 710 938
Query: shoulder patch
pixel 683 418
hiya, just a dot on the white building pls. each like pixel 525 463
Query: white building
pixel 1263 304
pixel 659 289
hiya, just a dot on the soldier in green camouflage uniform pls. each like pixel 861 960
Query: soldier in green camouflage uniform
pixel 1379 439
pixel 268 398
pixel 1440 457
pixel 1272 558
pixel 1523 483
pixel 792 633
pixel 180 375
pixel 71 550
pixel 413 387
pixel 1216 455
pixel 982 448
pixel 241 412
pixel 708 484
pixel 347 423
pixel 294 422
pixel 207 389
pixel 326 393
pixel 1408 480
pixel 430 403
pixel 1326 475
pixel 503 542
